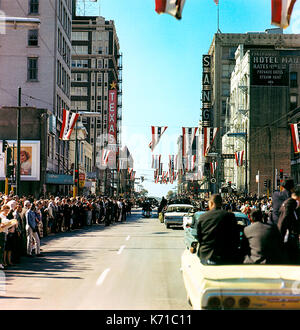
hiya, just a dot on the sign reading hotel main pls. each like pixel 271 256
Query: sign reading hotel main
pixel 270 68
pixel 206 91
pixel 112 113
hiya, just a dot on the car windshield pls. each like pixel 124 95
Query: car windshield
pixel 179 208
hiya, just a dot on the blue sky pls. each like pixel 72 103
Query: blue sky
pixel 162 68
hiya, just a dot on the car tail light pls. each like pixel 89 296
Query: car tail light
pixel 214 302
pixel 229 302
pixel 244 302
pixel 193 248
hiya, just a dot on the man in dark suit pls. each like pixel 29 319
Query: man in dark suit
pixel 279 197
pixel 262 242
pixel 218 235
pixel 289 227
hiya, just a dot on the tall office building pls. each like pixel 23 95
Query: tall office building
pixel 97 87
pixel 39 61
pixel 222 63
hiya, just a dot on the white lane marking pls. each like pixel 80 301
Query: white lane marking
pixel 127 238
pixel 121 249
pixel 102 277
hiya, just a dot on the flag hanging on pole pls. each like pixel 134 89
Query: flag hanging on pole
pixel 239 158
pixel 213 168
pixel 190 163
pixel 171 164
pixel 105 155
pixel 172 7
pixel 209 135
pixel 295 137
pixel 188 135
pixel 281 12
pixel 157 132
pixel 155 161
pixel 68 124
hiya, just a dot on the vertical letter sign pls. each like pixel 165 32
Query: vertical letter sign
pixel 112 113
pixel 206 90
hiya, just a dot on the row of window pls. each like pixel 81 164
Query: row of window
pixel 64 18
pixel 60 105
pixel 63 79
pixel 63 47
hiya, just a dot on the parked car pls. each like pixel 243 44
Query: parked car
pixel 174 213
pixel 241 286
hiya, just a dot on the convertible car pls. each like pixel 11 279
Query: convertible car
pixel 175 213
pixel 236 286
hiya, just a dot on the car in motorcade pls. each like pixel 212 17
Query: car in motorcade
pixel 173 216
pixel 239 286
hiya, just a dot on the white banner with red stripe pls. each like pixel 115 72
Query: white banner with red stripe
pixel 69 121
pixel 295 137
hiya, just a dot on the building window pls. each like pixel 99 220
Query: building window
pixel 33 37
pixel 80 36
pixel 32 68
pixel 293 101
pixel 33 7
pixel 224 107
pixel 81 50
pixel 228 53
pixel 294 79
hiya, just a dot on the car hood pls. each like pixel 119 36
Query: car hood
pixel 178 214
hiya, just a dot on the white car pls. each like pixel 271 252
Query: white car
pixel 175 213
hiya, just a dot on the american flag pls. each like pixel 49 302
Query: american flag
pixel 155 161
pixel 188 136
pixel 209 135
pixel 281 12
pixel 157 132
pixel 172 7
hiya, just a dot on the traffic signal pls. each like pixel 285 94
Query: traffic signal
pixel 10 171
pixel 4 145
pixel 229 183
pixel 281 174
pixel 8 156
pixel 76 177
pixel 269 183
pixel 265 183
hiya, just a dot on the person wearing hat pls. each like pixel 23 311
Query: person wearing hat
pixel 279 197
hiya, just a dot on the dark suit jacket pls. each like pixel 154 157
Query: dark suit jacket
pixel 264 244
pixel 277 199
pixel 288 218
pixel 218 235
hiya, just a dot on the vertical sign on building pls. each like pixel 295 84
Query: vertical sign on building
pixel 206 91
pixel 112 113
pixel 112 124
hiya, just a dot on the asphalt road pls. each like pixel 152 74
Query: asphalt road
pixel 133 265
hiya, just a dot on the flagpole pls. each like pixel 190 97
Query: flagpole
pixel 75 177
pixel 218 7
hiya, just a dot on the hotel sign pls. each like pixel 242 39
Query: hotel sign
pixel 206 91
pixel 269 68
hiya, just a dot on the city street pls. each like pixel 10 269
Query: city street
pixel 132 265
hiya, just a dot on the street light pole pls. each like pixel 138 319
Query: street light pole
pixel 18 169
pixel 75 177
pixel 246 161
